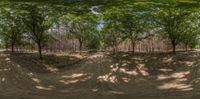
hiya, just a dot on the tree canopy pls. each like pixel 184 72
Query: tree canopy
pixel 121 20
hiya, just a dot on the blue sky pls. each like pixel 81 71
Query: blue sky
pixel 100 25
pixel 100 22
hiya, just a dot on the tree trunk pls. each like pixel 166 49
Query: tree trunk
pixel 40 50
pixel 80 46
pixel 133 46
pixel 173 42
pixel 12 42
pixel 114 48
pixel 174 48
pixel 186 47
pixel 12 47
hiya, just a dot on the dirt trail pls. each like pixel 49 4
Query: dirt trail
pixel 104 76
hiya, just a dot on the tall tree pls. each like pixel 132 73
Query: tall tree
pixel 170 18
pixel 112 29
pixel 80 27
pixel 38 21
pixel 12 28
pixel 135 24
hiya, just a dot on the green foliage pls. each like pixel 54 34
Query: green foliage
pixel 190 30
pixel 171 19
pixel 38 22
pixel 81 28
pixel 112 30
pixel 134 20
pixel 94 41
pixel 12 27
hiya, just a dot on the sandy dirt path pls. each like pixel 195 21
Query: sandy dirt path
pixel 101 76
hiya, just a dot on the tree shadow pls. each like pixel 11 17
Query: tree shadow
pixel 148 76
pixel 49 63
pixel 155 63
pixel 141 76
pixel 168 72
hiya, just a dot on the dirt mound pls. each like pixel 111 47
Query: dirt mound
pixel 13 76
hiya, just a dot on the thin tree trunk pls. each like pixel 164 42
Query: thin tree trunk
pixel 12 42
pixel 114 49
pixel 133 46
pixel 40 50
pixel 174 48
pixel 186 48
pixel 12 47
pixel 80 45
pixel 173 42
pixel 80 49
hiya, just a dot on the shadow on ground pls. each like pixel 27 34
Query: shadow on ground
pixel 49 63
pixel 120 76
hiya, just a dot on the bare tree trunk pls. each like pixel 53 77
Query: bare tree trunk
pixel 186 47
pixel 12 46
pixel 114 49
pixel 174 48
pixel 12 42
pixel 80 45
pixel 133 46
pixel 80 50
pixel 39 49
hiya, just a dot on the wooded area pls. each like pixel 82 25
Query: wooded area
pixel 109 48
pixel 27 25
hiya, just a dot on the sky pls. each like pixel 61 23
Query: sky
pixel 100 25
pixel 94 10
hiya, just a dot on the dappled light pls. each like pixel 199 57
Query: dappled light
pixel 166 70
pixel 74 78
pixel 36 80
pixel 44 88
pixel 3 79
pixel 181 87
pixel 179 82
pixel 99 49
pixel 108 78
pixel 7 60
pixel 133 72
pixel 174 75
pixel 4 70
pixel 105 74
pixel 115 92
pixel 50 68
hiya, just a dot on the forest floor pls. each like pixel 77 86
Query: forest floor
pixel 100 76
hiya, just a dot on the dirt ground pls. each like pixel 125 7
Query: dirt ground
pixel 100 76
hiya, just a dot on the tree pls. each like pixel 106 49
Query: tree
pixel 38 22
pixel 170 19
pixel 112 29
pixel 12 28
pixel 190 29
pixel 94 40
pixel 135 25
pixel 133 22
pixel 80 27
